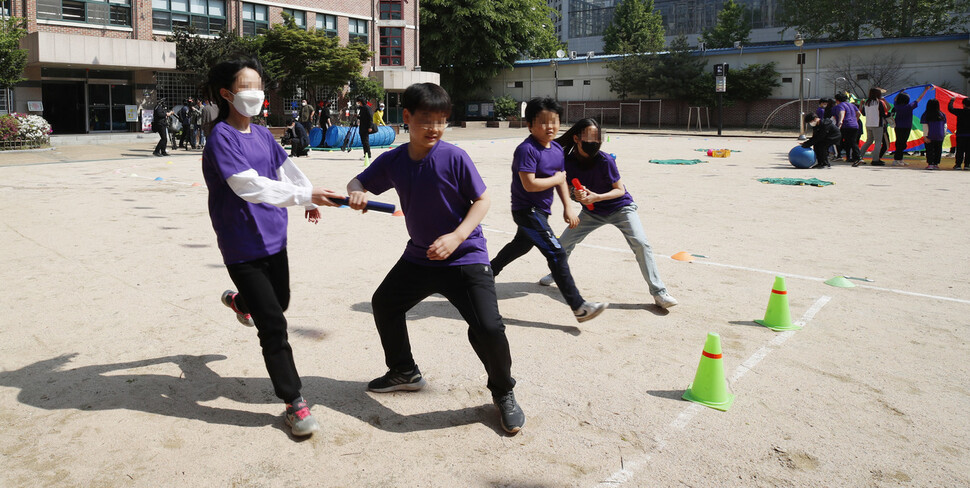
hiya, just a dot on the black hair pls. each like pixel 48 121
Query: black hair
pixel 841 97
pixel 901 99
pixel 566 140
pixel 537 104
pixel 809 117
pixel 932 112
pixel 223 75
pixel 427 97
pixel 874 94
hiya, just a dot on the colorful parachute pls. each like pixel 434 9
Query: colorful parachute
pixel 915 142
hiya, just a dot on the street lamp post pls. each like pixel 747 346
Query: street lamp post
pixel 799 41
pixel 835 84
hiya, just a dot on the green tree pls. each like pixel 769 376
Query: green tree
pixel 362 86
pixel 195 55
pixel 752 83
pixel 470 42
pixel 13 59
pixel 293 57
pixel 836 20
pixel 636 28
pixel 505 107
pixel 732 25
pixel 904 18
pixel 679 74
pixel 629 74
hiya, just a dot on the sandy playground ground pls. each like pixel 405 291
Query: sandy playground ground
pixel 119 366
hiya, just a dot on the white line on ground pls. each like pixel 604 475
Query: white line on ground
pixel 683 419
pixel 765 271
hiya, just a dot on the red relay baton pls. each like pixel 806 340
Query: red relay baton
pixel 579 186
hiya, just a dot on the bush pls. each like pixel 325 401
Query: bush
pixel 9 128
pixel 505 107
pixel 33 129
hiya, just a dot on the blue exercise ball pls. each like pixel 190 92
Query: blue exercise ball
pixel 801 157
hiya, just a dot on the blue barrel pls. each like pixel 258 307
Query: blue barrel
pixel 335 137
pixel 316 136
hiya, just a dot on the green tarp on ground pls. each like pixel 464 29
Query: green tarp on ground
pixel 796 181
pixel 675 161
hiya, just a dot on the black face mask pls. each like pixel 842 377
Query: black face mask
pixel 591 148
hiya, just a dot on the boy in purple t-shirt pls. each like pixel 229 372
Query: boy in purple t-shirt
pixel 537 169
pixel 444 200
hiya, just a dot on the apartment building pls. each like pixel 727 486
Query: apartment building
pixel 94 64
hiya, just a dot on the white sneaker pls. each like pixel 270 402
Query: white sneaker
pixel 547 280
pixel 589 310
pixel 664 300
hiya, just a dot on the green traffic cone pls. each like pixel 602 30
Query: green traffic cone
pixel 710 386
pixel 778 315
pixel 839 282
pixel 366 161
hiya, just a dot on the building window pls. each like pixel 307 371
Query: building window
pixel 328 24
pixel 513 84
pixel 564 83
pixel 199 16
pixel 101 12
pixel 255 18
pixel 173 88
pixel 299 17
pixel 392 10
pixel 5 8
pixel 786 80
pixel 392 42
pixel 358 31
pixel 4 101
pixel 862 76
pixel 589 18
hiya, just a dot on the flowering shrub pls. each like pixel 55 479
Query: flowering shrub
pixel 33 129
pixel 9 128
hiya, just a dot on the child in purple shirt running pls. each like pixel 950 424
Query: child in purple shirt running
pixel 250 181
pixel 444 200
pixel 537 169
pixel 611 203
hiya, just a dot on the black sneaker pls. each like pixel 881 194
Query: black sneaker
pixel 511 414
pixel 398 381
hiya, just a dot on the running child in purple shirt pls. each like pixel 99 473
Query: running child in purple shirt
pixel 250 179
pixel 612 204
pixel 444 201
pixel 537 169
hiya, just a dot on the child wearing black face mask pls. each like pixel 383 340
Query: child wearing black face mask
pixel 611 203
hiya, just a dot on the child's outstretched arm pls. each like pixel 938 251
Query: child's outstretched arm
pixel 443 246
pixel 569 214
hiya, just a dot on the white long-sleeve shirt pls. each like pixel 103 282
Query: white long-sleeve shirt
pixel 292 188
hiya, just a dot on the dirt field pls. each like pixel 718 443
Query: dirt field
pixel 119 366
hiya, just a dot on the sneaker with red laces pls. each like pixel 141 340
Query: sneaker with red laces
pixel 299 418
pixel 229 300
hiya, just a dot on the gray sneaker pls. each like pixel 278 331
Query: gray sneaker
pixel 510 413
pixel 229 300
pixel 664 300
pixel 589 310
pixel 547 280
pixel 299 418
pixel 398 381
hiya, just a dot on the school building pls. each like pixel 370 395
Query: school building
pixel 93 65
pixel 580 82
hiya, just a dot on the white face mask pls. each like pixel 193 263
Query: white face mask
pixel 813 123
pixel 248 102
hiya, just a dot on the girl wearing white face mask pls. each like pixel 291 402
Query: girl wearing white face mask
pixel 250 181
pixel 605 201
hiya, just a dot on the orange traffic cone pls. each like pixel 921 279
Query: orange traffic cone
pixel 710 386
pixel 778 314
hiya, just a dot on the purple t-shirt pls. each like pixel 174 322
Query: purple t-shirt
pixel 245 231
pixel 436 193
pixel 531 157
pixel 849 110
pixel 904 115
pixel 934 130
pixel 598 178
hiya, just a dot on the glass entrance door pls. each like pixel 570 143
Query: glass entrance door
pixel 99 108
pixel 106 107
